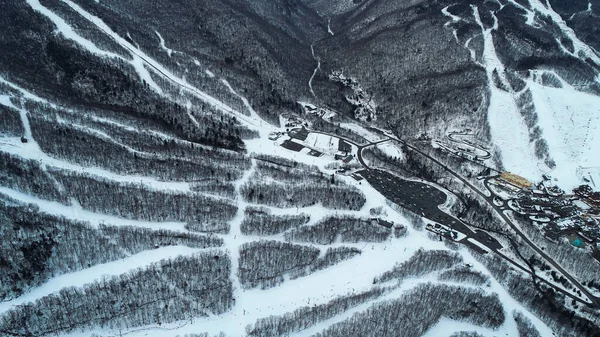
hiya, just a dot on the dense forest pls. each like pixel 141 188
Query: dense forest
pixel 412 313
pixel 260 221
pixel 163 292
pixel 342 229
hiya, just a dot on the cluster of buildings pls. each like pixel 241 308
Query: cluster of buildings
pixel 573 216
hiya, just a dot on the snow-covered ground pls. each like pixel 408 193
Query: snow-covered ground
pixel 391 150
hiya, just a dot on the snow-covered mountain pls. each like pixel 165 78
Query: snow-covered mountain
pixel 277 168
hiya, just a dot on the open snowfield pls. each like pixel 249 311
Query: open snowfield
pixel 570 123
pixel 569 119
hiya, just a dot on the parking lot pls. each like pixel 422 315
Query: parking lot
pixel 424 200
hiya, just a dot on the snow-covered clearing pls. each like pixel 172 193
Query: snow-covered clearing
pixel 80 278
pixel 568 118
pixel 233 241
pixel 351 276
pixel 363 132
pixel 322 142
pixel 391 150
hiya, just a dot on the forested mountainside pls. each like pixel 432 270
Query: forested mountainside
pixel 297 167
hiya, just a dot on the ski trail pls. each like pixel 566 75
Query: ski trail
pixel 30 147
pixel 453 19
pixel 156 133
pixel 329 27
pixel 141 59
pixel 82 277
pixel 65 29
pixel 582 50
pixel 15 147
pixel 26 94
pixel 312 49
pixel 508 130
pixel 93 219
pixel 233 242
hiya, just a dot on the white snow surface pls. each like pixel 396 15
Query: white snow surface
pixel 570 123
pixel 568 118
pixel 390 149
pixel 322 142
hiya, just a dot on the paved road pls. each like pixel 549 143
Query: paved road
pixel 424 199
pixel 451 137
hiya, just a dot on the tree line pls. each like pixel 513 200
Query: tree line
pixel 28 177
pixel 413 313
pixel 342 228
pixel 464 274
pixel 305 317
pixel 137 202
pixel 260 221
pixel 38 246
pixel 421 263
pixel 10 122
pixel 163 292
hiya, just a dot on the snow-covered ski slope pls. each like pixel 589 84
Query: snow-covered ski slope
pixel 568 118
pixel 351 276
